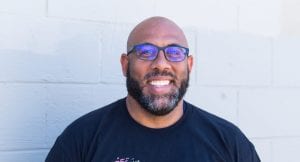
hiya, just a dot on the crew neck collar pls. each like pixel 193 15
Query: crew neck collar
pixel 179 122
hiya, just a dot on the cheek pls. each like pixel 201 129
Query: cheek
pixel 182 72
pixel 137 71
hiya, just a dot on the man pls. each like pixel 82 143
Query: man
pixel 153 123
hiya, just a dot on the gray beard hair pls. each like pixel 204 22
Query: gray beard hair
pixel 154 104
pixel 161 105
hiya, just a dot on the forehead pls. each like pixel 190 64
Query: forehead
pixel 158 32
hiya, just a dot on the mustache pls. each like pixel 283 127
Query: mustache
pixel 159 73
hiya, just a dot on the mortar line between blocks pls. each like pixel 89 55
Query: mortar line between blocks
pixel 47 8
pixel 238 107
pixel 238 17
pixel 62 83
pixel 24 150
pixel 272 61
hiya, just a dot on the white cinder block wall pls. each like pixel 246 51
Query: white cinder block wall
pixel 59 59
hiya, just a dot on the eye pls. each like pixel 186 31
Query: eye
pixel 174 51
pixel 146 52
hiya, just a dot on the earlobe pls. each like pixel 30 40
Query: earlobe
pixel 190 62
pixel 124 64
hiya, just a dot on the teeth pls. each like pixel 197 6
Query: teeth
pixel 160 82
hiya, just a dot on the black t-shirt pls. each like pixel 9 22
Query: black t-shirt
pixel 109 134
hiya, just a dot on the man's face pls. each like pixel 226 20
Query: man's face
pixel 157 85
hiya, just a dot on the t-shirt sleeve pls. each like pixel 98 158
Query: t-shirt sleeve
pixel 245 149
pixel 57 153
pixel 61 153
pixel 250 156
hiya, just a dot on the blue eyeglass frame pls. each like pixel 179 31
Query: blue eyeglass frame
pixel 186 53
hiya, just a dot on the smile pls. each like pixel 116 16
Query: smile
pixel 159 82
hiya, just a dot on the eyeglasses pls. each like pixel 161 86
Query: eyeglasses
pixel 149 52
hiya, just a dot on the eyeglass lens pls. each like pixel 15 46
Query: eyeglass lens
pixel 150 52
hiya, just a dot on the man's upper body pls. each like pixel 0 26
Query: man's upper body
pixel 153 123
pixel 110 134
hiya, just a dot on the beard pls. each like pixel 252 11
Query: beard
pixel 157 105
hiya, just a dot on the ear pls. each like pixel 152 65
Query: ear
pixel 124 63
pixel 190 62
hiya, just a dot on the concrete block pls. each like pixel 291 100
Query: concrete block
pixel 219 101
pixel 286 149
pixel 233 59
pixel 30 7
pixel 290 22
pixel 114 40
pixel 22 116
pixel 191 36
pixel 269 112
pixel 68 102
pixel 264 149
pixel 213 14
pixel 286 61
pixel 111 11
pixel 261 17
pixel 23 156
pixel 44 50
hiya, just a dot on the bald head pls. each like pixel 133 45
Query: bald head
pixel 157 30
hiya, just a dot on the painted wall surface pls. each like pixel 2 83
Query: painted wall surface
pixel 59 59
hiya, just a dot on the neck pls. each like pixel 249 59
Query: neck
pixel 147 119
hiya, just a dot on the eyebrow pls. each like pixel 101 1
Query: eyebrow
pixel 172 44
pixel 175 44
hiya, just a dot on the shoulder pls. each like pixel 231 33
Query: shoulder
pixel 207 118
pixel 203 116
pixel 221 131
pixel 78 138
pixel 216 127
pixel 92 120
pixel 89 126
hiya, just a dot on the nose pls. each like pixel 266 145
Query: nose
pixel 161 63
